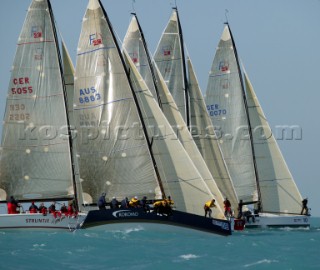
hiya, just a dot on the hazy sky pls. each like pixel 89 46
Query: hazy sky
pixel 277 40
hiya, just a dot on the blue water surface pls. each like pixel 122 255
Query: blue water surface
pixel 139 246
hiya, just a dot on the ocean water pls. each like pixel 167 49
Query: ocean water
pixel 139 246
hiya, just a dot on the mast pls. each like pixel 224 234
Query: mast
pixel 248 120
pixel 135 100
pixel 149 59
pixel 66 109
pixel 184 70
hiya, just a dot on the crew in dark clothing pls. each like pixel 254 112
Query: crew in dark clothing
pixel 114 204
pixel 52 207
pixel 125 203
pixel 305 209
pixel 42 209
pixel 102 202
pixel 144 205
pixel 33 208
pixel 240 209
pixel 63 208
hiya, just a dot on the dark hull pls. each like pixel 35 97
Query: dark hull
pixel 191 221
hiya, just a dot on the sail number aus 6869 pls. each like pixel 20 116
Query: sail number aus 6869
pixel 89 95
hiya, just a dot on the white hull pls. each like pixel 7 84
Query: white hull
pixel 39 221
pixel 272 220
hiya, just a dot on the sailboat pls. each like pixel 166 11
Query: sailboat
pixel 126 146
pixel 257 167
pixel 181 81
pixel 135 45
pixel 36 158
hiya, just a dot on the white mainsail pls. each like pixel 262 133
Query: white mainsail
pixel 168 106
pixel 180 177
pixel 36 162
pixel 169 57
pixel 114 156
pixel 279 192
pixel 226 108
pixel 205 138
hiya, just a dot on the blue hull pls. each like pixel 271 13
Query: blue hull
pixel 177 218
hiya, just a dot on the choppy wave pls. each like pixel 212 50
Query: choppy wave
pixel 135 246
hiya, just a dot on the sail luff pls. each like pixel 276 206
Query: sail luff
pixel 68 72
pixel 279 193
pixel 249 122
pixel 187 112
pixel 65 94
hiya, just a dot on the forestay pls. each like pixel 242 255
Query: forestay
pixel 36 159
pixel 226 108
pixel 279 192
pixel 68 72
pixel 114 155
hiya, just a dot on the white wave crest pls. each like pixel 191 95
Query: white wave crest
pixel 189 257
pixel 264 261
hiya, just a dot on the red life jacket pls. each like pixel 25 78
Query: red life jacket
pixel 33 210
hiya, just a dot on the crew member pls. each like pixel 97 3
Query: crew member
pixel 114 203
pixel 240 209
pixel 207 207
pixel 134 202
pixel 227 208
pixel 125 203
pixel 33 208
pixel 305 209
pixel 42 209
pixel 102 201
pixel 12 205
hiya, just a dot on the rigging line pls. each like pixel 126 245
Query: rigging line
pixel 226 15
pixel 175 4
pixel 133 9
